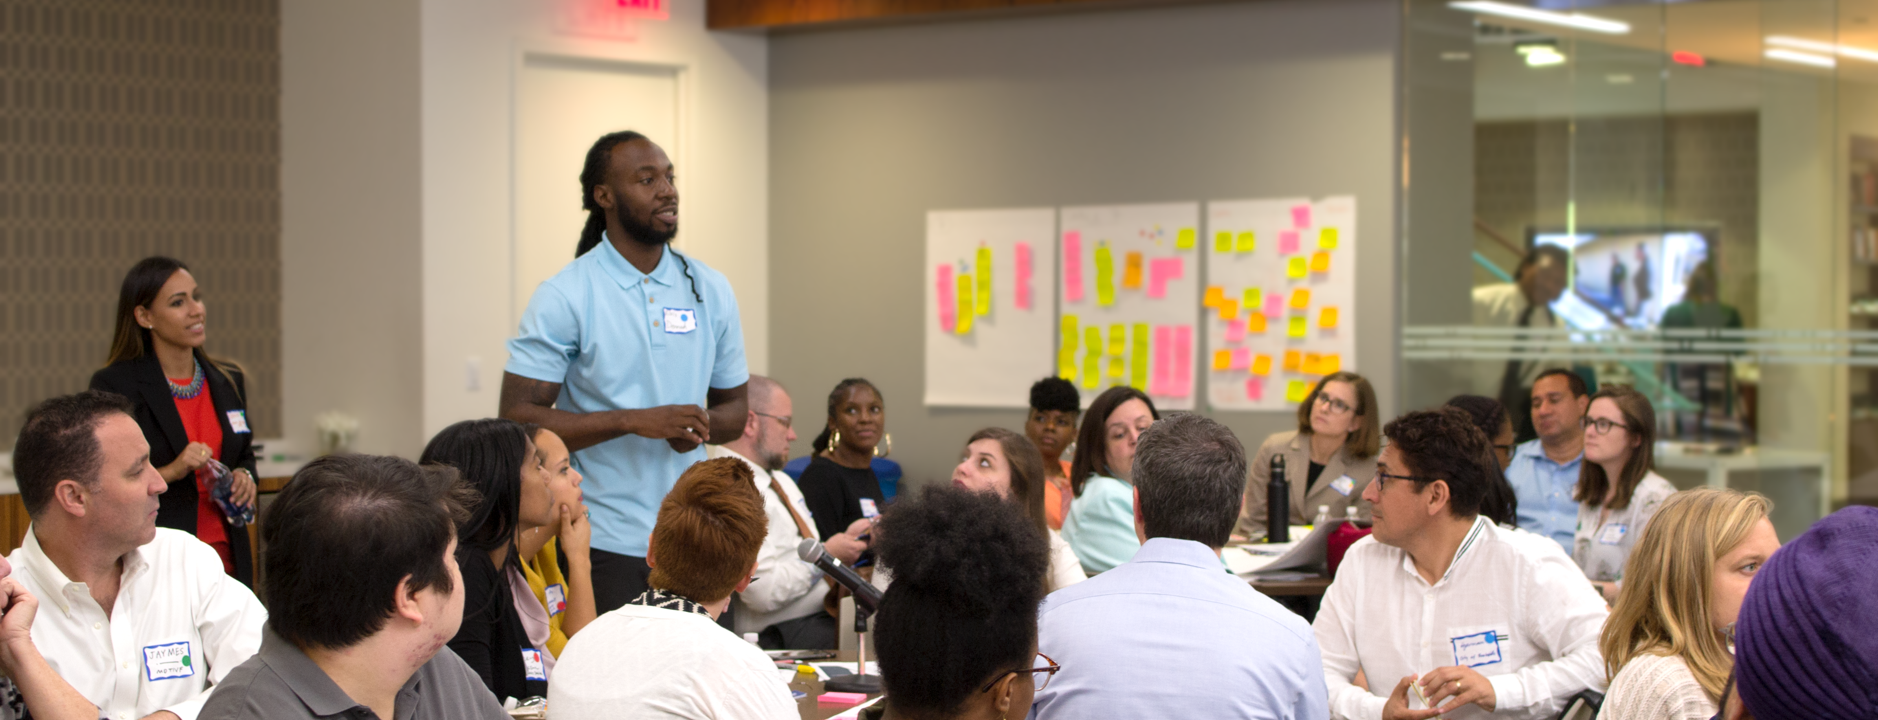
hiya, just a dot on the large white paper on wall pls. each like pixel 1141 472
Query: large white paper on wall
pixel 989 280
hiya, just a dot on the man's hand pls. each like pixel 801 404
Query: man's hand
pixel 845 547
pixel 1459 686
pixel 1397 708
pixel 575 531
pixel 684 427
pixel 16 624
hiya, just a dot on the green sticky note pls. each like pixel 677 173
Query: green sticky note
pixel 1254 297
pixel 1297 267
pixel 1246 242
pixel 1299 326
pixel 1222 241
pixel 1184 239
pixel 1327 238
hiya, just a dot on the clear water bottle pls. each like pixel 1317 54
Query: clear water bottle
pixel 1323 516
pixel 221 484
pixel 1349 515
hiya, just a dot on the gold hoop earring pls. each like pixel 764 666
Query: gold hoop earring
pixel 834 438
pixel 885 447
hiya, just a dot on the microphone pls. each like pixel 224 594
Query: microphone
pixel 865 593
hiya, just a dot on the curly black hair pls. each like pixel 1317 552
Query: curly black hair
pixel 968 572
pixel 1443 444
pixel 1055 393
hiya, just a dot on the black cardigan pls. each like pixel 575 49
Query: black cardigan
pixel 141 381
pixel 491 637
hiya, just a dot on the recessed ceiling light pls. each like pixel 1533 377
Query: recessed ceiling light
pixel 1803 58
pixel 1573 20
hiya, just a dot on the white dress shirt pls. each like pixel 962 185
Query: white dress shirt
pixel 179 626
pixel 1512 606
pixel 1499 306
pixel 785 588
pixel 646 662
pixel 1065 569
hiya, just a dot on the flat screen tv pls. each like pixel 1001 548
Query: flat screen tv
pixel 1626 277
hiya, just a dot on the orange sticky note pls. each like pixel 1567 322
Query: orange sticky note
pixel 1320 262
pixel 1301 298
pixel 1327 318
pixel 1262 365
pixel 1293 360
pixel 1255 324
pixel 1310 363
pixel 1214 296
pixel 1329 363
pixel 1229 310
pixel 1222 359
pixel 1131 271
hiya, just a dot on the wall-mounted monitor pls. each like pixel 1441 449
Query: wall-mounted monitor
pixel 1626 277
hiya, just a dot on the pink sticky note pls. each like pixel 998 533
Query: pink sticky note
pixel 1274 306
pixel 1255 388
pixel 840 699
pixel 1287 242
pixel 1301 216
pixel 1162 375
pixel 1072 266
pixel 948 304
pixel 1022 297
pixel 1241 358
pixel 1182 375
pixel 1235 331
pixel 1161 270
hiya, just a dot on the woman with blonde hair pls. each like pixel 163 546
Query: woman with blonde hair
pixel 1668 644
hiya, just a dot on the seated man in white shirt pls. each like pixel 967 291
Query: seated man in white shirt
pixel 140 621
pixel 663 653
pixel 783 605
pixel 1441 612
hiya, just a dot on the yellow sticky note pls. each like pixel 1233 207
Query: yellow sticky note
pixel 1246 242
pixel 1070 332
pixel 1222 359
pixel 1327 318
pixel 1105 276
pixel 967 306
pixel 1329 364
pixel 1131 271
pixel 1138 359
pixel 1299 326
pixel 1255 323
pixel 982 298
pixel 1293 359
pixel 1118 339
pixel 1229 310
pixel 1214 296
pixel 1253 296
pixel 1297 267
pixel 1091 365
pixel 1117 368
pixel 1092 339
pixel 1301 298
pixel 1222 241
pixel 1320 262
pixel 1184 239
pixel 1327 238
pixel 1262 365
pixel 1296 390
pixel 1310 363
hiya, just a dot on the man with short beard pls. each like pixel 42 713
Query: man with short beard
pixel 633 354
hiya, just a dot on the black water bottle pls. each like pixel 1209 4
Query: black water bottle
pixel 1278 503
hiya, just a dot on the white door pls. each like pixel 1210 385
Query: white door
pixel 563 105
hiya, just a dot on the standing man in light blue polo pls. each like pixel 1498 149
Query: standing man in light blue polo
pixel 633 354
pixel 1544 471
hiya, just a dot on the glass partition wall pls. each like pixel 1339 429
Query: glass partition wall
pixel 1696 184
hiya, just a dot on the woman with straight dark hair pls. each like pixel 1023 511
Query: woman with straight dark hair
pixel 191 406
pixel 497 458
pixel 1008 465
pixel 1101 522
pixel 1329 459
pixel 1617 491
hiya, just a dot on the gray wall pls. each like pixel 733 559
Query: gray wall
pixel 872 127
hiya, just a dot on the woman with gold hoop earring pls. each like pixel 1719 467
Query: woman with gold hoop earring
pixel 839 485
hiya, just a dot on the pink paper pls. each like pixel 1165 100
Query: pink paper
pixel 1182 374
pixel 1287 242
pixel 1301 216
pixel 1241 358
pixel 1235 331
pixel 1162 376
pixel 1072 266
pixel 1022 296
pixel 1255 388
pixel 1274 306
pixel 1161 270
pixel 948 304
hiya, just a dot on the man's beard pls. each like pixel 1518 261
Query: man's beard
pixel 770 461
pixel 642 232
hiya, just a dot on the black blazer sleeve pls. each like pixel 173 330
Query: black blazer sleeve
pixel 476 634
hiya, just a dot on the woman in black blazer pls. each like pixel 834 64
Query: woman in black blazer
pixel 158 363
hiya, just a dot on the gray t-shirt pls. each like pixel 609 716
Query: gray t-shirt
pixel 282 682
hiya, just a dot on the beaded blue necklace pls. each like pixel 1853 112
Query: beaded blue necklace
pixel 194 388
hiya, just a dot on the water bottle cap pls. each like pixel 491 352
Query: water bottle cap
pixel 1323 509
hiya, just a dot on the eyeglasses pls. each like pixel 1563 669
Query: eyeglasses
pixel 786 421
pixel 1381 476
pixel 1603 425
pixel 1048 669
pixel 1335 404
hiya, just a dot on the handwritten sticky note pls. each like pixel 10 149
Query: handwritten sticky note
pixel 1327 318
pixel 1229 310
pixel 1251 298
pixel 1299 326
pixel 1222 241
pixel 1185 238
pixel 948 306
pixel 1320 262
pixel 1131 271
pixel 1162 372
pixel 1241 358
pixel 1310 363
pixel 1091 367
pixel 967 309
pixel 1293 360
pixel 1301 216
pixel 1235 331
pixel 1072 266
pixel 981 298
pixel 1105 276
pixel 1327 238
pixel 1275 306
pixel 1255 388
pixel 1222 359
pixel 1138 359
pixel 1247 243
pixel 1020 296
pixel 1287 242
pixel 1214 296
pixel 1330 363
pixel 1301 298
pixel 1162 270
pixel 1297 267
pixel 1262 365
pixel 1255 323
pixel 1183 361
pixel 1118 339
pixel 1296 390
pixel 1117 368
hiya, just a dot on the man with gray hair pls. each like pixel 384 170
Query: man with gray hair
pixel 1171 633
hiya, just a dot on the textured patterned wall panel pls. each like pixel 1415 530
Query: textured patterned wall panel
pixel 131 128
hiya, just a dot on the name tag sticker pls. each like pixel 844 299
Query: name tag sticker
pixel 238 421
pixel 680 320
pixel 1343 485
pixel 166 662
pixel 531 663
pixel 1482 648
pixel 1612 533
pixel 869 509
pixel 557 599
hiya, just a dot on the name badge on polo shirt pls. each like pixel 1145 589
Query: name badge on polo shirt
pixel 1343 485
pixel 557 599
pixel 680 320
pixel 869 509
pixel 238 421
pixel 1477 649
pixel 532 665
pixel 1612 533
pixel 168 661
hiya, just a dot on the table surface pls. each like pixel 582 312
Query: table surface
pixel 1308 586
pixel 809 709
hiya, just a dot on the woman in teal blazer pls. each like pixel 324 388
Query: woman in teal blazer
pixel 1101 522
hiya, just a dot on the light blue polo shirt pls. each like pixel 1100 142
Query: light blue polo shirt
pixel 1544 489
pixel 619 339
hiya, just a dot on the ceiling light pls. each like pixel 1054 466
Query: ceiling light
pixel 1573 20
pixel 1795 56
pixel 1822 47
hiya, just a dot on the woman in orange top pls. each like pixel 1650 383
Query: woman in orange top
pixel 1055 410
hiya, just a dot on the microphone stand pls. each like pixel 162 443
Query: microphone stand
pixel 860 681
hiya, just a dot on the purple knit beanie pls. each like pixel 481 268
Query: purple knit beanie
pixel 1807 636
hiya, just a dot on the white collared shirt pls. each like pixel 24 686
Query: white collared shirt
pixel 179 626
pixel 1512 606
pixel 786 588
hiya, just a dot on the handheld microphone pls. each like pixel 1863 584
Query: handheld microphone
pixel 865 593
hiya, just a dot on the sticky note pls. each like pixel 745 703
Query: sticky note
pixel 1229 310
pixel 1274 306
pixel 1255 323
pixel 1297 267
pixel 1222 359
pixel 1301 216
pixel 1262 365
pixel 1105 276
pixel 1255 388
pixel 1138 359
pixel 1222 241
pixel 1287 242
pixel 1117 368
pixel 981 299
pixel 1296 390
pixel 1131 271
pixel 1092 339
pixel 1214 296
pixel 1184 239
pixel 1070 330
pixel 1299 326
pixel 1327 238
pixel 840 699
pixel 1293 360
pixel 1118 339
pixel 1090 365
pixel 1301 298
pixel 1163 360
pixel 1241 358
pixel 967 310
pixel 1183 361
pixel 1246 242
pixel 1020 297
pixel 948 306
pixel 1162 270
pixel 1327 318
pixel 1072 266
pixel 1235 331
pixel 1310 363
pixel 1330 363
pixel 1320 262
pixel 1252 297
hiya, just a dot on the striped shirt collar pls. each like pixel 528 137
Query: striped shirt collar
pixel 1475 536
pixel 654 597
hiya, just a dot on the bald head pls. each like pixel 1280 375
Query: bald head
pixel 768 432
pixel 763 391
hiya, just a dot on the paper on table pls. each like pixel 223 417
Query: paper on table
pixel 1308 552
pixel 1072 265
pixel 948 306
pixel 841 668
pixel 855 712
pixel 1021 296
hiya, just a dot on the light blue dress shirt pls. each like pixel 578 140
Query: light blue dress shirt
pixel 1172 634
pixel 1544 489
pixel 619 339
pixel 1101 524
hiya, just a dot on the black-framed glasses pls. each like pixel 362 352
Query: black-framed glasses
pixel 786 421
pixel 1603 425
pixel 1048 668
pixel 1381 476
pixel 1335 404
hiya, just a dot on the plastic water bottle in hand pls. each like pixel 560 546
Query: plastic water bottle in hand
pixel 220 482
